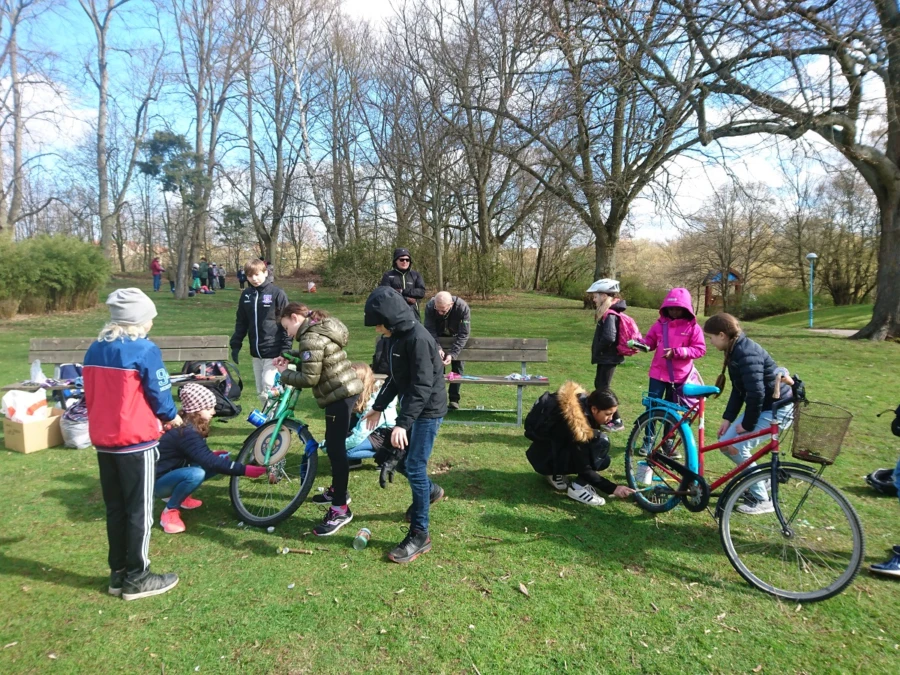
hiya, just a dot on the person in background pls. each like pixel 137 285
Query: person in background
pixel 170 277
pixel 257 319
pixel 185 460
pixel 241 277
pixel 128 398
pixel 156 269
pixel 213 277
pixel 222 277
pixel 203 273
pixel 447 315
pixel 604 352
pixel 195 277
pixel 405 280
pixel 891 566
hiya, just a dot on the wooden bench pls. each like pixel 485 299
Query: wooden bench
pixel 174 349
pixel 500 350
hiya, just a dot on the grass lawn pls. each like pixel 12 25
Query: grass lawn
pixel 850 317
pixel 610 589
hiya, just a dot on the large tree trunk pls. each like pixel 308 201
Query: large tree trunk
pixel 885 321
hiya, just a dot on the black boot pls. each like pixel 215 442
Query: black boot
pixel 413 545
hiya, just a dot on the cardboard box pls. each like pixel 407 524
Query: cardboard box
pixel 30 437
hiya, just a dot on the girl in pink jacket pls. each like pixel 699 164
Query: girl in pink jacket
pixel 678 340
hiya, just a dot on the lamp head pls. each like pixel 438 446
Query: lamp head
pixel 811 257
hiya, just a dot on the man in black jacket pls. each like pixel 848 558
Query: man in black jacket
pixel 449 316
pixel 417 376
pixel 405 280
pixel 257 315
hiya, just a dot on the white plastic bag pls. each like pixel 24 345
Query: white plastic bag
pixel 25 406
pixel 75 434
pixel 37 375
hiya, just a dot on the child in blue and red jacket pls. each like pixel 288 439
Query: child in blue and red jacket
pixel 185 460
pixel 128 395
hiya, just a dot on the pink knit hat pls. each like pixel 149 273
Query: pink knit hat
pixel 195 398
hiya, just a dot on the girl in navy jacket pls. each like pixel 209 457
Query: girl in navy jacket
pixel 185 460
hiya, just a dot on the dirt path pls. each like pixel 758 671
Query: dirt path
pixel 843 332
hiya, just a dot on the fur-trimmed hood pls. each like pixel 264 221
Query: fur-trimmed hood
pixel 572 400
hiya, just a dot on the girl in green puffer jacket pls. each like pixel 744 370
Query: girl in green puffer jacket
pixel 324 367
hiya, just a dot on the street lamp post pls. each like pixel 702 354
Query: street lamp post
pixel 812 263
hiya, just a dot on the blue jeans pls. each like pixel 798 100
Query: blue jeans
pixel 157 278
pixel 743 450
pixel 362 451
pixel 662 390
pixel 180 483
pixel 897 478
pixel 415 467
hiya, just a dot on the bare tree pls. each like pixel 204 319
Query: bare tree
pixel 764 75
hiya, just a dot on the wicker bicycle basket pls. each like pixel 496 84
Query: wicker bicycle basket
pixel 819 430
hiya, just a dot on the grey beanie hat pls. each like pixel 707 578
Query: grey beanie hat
pixel 130 307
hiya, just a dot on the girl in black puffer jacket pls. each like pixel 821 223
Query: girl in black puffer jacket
pixel 753 374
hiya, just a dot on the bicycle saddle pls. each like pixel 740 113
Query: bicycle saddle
pixel 697 390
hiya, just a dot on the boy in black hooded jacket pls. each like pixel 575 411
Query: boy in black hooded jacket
pixel 405 280
pixel 417 376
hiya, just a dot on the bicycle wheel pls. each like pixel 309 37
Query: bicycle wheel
pixel 263 502
pixel 645 441
pixel 820 555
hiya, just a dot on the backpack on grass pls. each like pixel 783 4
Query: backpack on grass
pixel 226 391
pixel 628 330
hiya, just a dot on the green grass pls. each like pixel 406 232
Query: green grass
pixel 849 316
pixel 610 590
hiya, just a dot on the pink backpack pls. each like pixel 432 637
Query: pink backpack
pixel 628 330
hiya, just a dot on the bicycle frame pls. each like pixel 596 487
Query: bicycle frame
pixel 284 411
pixel 695 453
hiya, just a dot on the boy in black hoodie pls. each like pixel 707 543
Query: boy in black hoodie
pixel 417 376
pixel 257 317
pixel 405 280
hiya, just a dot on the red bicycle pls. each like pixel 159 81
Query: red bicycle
pixel 811 545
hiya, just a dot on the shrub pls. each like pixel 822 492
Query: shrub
pixel 356 268
pixel 776 301
pixel 17 279
pixel 52 273
pixel 638 294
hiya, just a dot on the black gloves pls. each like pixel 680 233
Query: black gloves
pixel 234 354
pixel 388 457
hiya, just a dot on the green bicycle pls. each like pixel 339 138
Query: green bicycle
pixel 285 446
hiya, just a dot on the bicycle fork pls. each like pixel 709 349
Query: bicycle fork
pixel 777 477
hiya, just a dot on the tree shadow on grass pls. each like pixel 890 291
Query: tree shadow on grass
pixel 38 571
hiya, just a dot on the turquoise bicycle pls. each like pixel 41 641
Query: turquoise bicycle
pixel 810 546
pixel 285 446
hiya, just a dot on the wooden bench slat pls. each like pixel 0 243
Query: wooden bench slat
pixel 178 354
pixel 499 343
pixel 487 379
pixel 504 355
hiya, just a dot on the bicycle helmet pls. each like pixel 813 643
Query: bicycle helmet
pixel 882 480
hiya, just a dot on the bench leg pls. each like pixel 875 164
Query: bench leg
pixel 519 405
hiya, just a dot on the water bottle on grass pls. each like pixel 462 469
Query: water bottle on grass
pixel 362 539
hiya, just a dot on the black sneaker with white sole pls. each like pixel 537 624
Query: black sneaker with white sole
pixel 327 496
pixel 148 584
pixel 413 545
pixel 437 494
pixel 333 521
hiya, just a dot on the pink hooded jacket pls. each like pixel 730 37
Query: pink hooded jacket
pixel 683 335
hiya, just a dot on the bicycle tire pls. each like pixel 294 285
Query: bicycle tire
pixel 649 501
pixel 801 495
pixel 251 497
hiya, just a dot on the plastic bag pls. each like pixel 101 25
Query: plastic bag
pixel 25 406
pixel 37 375
pixel 74 427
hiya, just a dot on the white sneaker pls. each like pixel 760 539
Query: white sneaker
pixel 756 508
pixel 558 482
pixel 585 494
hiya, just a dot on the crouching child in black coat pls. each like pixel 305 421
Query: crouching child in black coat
pixel 565 430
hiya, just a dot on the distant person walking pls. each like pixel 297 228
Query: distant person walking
pixel 156 269
pixel 405 280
